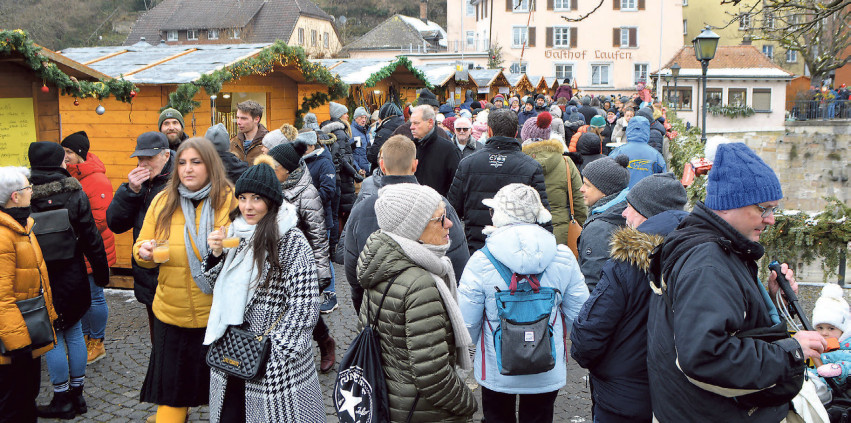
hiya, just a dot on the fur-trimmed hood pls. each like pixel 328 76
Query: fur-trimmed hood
pixel 634 247
pixel 331 126
pixel 551 145
pixel 67 184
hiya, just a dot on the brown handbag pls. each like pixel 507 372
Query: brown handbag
pixel 575 228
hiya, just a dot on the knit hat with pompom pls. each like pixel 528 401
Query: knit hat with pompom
pixel 537 128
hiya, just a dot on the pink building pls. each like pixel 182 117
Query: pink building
pixel 610 51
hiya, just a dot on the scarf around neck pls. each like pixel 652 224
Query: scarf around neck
pixel 199 237
pixel 433 259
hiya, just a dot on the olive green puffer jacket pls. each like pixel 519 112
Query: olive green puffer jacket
pixel 417 342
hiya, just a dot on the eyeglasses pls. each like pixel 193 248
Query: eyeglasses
pixel 30 186
pixel 440 219
pixel 462 129
pixel 768 211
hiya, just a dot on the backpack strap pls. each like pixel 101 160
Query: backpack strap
pixel 373 322
pixel 504 271
pixel 512 279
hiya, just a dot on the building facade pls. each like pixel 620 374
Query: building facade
pixel 611 50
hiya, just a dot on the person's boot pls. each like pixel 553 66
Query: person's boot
pixel 96 350
pixel 60 407
pixel 79 402
pixel 327 354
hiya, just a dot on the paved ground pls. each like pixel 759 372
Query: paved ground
pixel 113 383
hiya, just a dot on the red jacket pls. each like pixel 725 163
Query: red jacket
pixel 92 176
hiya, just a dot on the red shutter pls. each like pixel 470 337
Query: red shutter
pixel 550 5
pixel 640 4
pixel 633 37
pixel 616 4
pixel 532 37
pixel 509 5
pixel 616 37
pixel 573 37
pixel 573 5
pixel 549 36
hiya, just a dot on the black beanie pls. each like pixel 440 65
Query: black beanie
pixel 287 155
pixel 427 98
pixel 261 180
pixel 77 142
pixel 609 175
pixel 45 155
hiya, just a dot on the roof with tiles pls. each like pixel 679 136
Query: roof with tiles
pixel 733 61
pixel 399 32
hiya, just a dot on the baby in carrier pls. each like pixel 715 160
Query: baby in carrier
pixel 832 319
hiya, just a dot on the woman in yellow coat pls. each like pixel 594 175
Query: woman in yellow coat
pixel 196 201
pixel 22 274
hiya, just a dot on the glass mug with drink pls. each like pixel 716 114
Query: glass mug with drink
pixel 160 252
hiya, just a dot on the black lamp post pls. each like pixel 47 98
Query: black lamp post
pixel 705 45
pixel 667 88
pixel 675 71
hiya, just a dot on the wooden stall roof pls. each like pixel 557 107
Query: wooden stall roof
pixel 486 77
pixel 552 82
pixel 520 81
pixel 360 71
pixel 438 75
pixel 145 64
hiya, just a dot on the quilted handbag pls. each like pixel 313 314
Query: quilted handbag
pixel 241 353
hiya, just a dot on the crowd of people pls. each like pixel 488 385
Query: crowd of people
pixel 436 212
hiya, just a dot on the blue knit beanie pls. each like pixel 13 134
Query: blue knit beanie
pixel 740 178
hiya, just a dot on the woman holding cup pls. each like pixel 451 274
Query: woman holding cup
pixel 197 199
pixel 267 284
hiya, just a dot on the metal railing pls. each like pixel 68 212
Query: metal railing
pixel 818 109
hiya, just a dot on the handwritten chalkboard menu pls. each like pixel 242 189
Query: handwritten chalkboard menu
pixel 17 130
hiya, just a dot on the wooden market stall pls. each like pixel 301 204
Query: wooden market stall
pixel 277 76
pixel 552 84
pixel 442 78
pixel 520 84
pixel 370 80
pixel 490 82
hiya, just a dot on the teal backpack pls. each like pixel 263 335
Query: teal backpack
pixel 523 341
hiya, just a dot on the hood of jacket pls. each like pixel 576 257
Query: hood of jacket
pixel 9 222
pixel 547 152
pixel 299 179
pixel 57 186
pixel 330 126
pixel 634 245
pixel 525 248
pixel 381 260
pixel 638 130
pixel 609 201
pixel 91 166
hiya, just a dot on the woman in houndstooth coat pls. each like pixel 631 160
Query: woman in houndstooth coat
pixel 284 298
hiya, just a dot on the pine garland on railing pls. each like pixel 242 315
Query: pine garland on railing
pixel 730 112
pixel 389 69
pixel 682 149
pixel 17 41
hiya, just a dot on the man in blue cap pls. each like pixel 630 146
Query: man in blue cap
pixel 717 350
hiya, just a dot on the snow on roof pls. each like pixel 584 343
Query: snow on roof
pixel 428 26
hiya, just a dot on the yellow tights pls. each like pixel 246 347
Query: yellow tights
pixel 166 414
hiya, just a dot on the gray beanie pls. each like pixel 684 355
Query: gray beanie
pixel 405 209
pixel 337 110
pixel 219 136
pixel 657 193
pixel 310 121
pixel 608 175
pixel 360 111
pixel 307 137
pixel 274 138
pixel 586 101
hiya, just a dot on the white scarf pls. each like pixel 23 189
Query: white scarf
pixel 239 278
pixel 432 259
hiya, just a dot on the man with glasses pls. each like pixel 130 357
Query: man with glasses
pixel 398 162
pixel 463 137
pixel 703 359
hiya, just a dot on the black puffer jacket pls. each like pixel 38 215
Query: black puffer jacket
pixel 499 163
pixel 382 132
pixel 438 159
pixel 127 211
pixel 344 161
pixel 52 190
pixel 697 367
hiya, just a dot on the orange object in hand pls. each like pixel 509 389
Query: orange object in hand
pixel 230 242
pixel 160 253
pixel 832 344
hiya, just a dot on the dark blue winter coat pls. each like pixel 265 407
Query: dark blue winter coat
pixel 609 336
pixel 523 115
pixel 359 142
pixel 324 175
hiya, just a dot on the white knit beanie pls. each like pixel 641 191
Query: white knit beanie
pixel 405 209
pixel 274 138
pixel 517 203
pixel 831 308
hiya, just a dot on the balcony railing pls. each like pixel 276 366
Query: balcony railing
pixel 818 109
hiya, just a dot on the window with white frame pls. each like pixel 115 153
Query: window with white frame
pixel 471 39
pixel 326 39
pixel 737 97
pixel 518 67
pixel 640 72
pixel 629 5
pixel 519 36
pixel 520 5
pixel 629 37
pixel 744 21
pixel 768 50
pixel 212 34
pixel 235 33
pixel 685 2
pixel 768 21
pixel 192 34
pixel 314 35
pixel 601 74
pixel 561 5
pixel 171 36
pixel 761 99
pixel 564 70
pixel 685 26
pixel 791 56
pixel 301 36
pixel 561 36
pixel 471 10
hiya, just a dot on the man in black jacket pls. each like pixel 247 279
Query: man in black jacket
pixel 398 165
pixel 480 176
pixel 438 157
pixel 131 202
pixel 390 116
pixel 704 362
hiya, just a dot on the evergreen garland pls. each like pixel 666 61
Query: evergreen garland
pixel 389 69
pixel 263 63
pixel 682 149
pixel 730 112
pixel 18 41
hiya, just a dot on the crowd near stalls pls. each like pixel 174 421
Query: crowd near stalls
pixel 484 221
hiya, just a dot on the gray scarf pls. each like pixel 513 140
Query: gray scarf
pixel 199 237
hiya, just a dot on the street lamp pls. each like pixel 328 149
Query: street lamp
pixel 675 71
pixel 668 88
pixel 705 45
